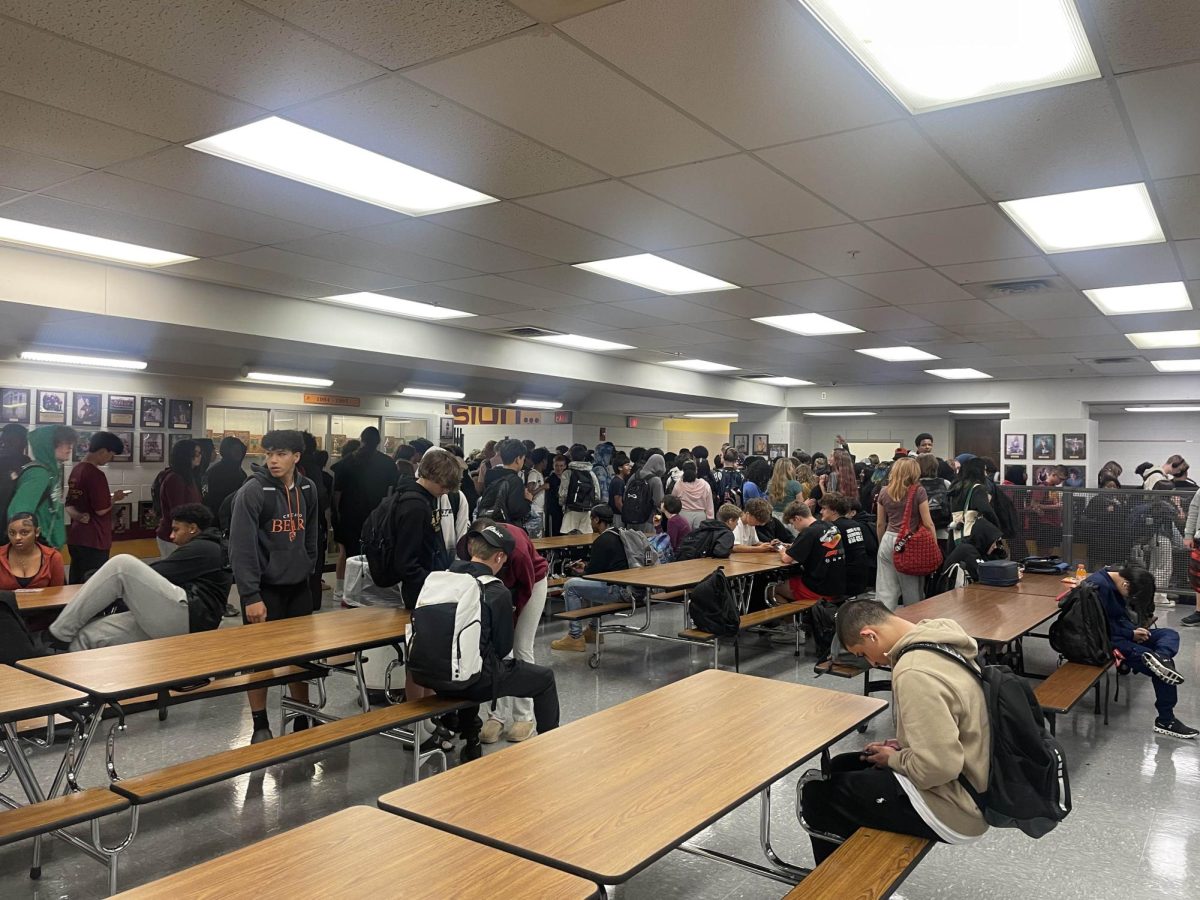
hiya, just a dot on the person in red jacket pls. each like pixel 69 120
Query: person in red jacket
pixel 25 563
pixel 525 575
pixel 177 485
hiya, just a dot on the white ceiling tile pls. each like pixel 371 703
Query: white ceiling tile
pixel 825 296
pixel 54 70
pixel 313 269
pixel 883 318
pixel 1074 327
pixel 543 86
pixel 1145 35
pixel 428 239
pixel 57 134
pixel 886 170
pixel 453 299
pixel 745 302
pixel 909 286
pixel 768 72
pixel 968 234
pixel 1144 264
pixel 121 227
pixel 611 315
pixel 1039 306
pixel 1079 344
pixel 626 214
pixel 557 10
pixel 24 171
pixel 1180 203
pixel 515 292
pixel 1164 107
pixel 991 331
pixel 954 349
pixel 481 323
pixel 1189 254
pixel 396 35
pixel 676 309
pixel 999 270
pixel 930 334
pixel 797 344
pixel 569 280
pixel 402 120
pixel 669 336
pixel 362 254
pixel 1044 142
pixel 221 272
pixel 555 321
pixel 742 262
pixel 740 193
pixel 533 232
pixel 841 250
pixel 152 202
pixel 958 312
pixel 742 329
pixel 7 195
pixel 222 45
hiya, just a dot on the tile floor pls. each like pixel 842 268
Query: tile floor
pixel 1135 830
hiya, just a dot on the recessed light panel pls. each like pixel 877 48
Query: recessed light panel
pixel 284 148
pixel 41 237
pixel 580 342
pixel 537 404
pixel 1167 296
pixel 782 381
pixel 700 365
pixel 1162 409
pixel 658 274
pixel 395 306
pixel 1176 365
pixel 299 380
pixel 711 415
pixel 940 53
pixel 92 362
pixel 839 415
pixel 979 412
pixel 899 354
pixel 808 324
pixel 432 394
pixel 1162 340
pixel 1088 220
pixel 957 374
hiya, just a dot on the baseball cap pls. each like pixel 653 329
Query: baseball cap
pixel 963 457
pixel 603 512
pixel 499 538
pixel 900 452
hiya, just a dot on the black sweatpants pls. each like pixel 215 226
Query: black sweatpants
pixel 85 561
pixel 855 795
pixel 517 679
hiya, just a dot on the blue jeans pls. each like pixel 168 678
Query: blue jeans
pixel 1163 643
pixel 581 592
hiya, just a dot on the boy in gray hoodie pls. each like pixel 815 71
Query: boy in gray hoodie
pixel 273 550
pixel 578 492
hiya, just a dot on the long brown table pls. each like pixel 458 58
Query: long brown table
pixel 673 761
pixel 364 852
pixel 51 599
pixel 994 616
pixel 1036 585
pixel 564 541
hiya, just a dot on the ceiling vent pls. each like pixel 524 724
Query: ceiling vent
pixel 527 332
pixel 1114 360
pixel 1022 287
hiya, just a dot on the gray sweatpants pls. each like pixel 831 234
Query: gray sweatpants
pixel 157 608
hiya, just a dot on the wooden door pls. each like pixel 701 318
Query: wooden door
pixel 980 436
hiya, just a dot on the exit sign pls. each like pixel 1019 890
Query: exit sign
pixel 631 422
pixel 562 417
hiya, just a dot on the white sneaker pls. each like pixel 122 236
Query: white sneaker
pixel 1163 600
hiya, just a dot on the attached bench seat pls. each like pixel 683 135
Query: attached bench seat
pixel 750 620
pixel 58 812
pixel 1069 684
pixel 593 612
pixel 838 670
pixel 869 866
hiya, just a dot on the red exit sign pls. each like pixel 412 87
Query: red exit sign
pixel 631 422
pixel 562 417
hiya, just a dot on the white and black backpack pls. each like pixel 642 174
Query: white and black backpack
pixel 446 651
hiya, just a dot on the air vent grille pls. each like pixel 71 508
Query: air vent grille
pixel 1018 288
pixel 1114 360
pixel 527 332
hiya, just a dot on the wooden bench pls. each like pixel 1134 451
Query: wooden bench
pixel 838 670
pixel 870 865
pixel 217 687
pixel 62 812
pixel 593 612
pixel 668 596
pixel 750 620
pixel 1069 683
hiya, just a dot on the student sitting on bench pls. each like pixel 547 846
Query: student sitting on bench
pixel 754 518
pixel 607 555
pixel 180 593
pixel 908 785
pixel 819 553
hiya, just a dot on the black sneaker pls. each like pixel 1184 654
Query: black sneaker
pixel 470 751
pixel 1176 729
pixel 1162 669
pixel 1190 621
pixel 230 612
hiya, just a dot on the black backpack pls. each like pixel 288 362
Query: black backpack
pixel 379 539
pixel 9 482
pixel 493 503
pixel 1080 633
pixel 15 641
pixel 730 488
pixel 698 544
pixel 1028 785
pixel 581 492
pixel 1006 513
pixel 638 506
pixel 712 606
pixel 939 501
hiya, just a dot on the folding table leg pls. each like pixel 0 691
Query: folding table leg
pixel 764 836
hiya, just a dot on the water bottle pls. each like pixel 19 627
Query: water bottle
pixel 1080 572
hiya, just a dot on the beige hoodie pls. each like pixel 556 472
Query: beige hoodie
pixel 941 724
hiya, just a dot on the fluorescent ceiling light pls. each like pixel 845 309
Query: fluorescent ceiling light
pixel 432 394
pixel 658 274
pixel 979 412
pixel 1141 298
pixel 302 380
pixel 940 53
pixel 537 404
pixel 712 415
pixel 957 374
pixel 700 365
pixel 15 231
pixel 898 354
pixel 579 342
pixel 1176 365
pixel 1162 409
pixel 782 381
pixel 69 359
pixel 1088 220
pixel 832 415
pixel 1162 340
pixel 394 306
pixel 808 324
pixel 293 151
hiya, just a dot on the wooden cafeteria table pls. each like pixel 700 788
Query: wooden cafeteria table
pixel 363 852
pixel 564 541
pixel 673 761
pixel 1036 585
pixel 989 615
pixel 50 599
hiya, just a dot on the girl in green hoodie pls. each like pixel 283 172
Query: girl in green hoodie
pixel 39 489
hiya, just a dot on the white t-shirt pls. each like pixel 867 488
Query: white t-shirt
pixel 534 480
pixel 940 828
pixel 745 535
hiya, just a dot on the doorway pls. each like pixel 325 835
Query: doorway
pixel 978 436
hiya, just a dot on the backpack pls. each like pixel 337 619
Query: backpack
pixel 1044 565
pixel 712 606
pixel 954 576
pixel 8 490
pixel 638 506
pixel 939 501
pixel 730 488
pixel 661 544
pixel 698 544
pixel 446 650
pixel 1080 633
pixel 879 479
pixel 639 553
pixel 496 510
pixel 581 492
pixel 15 640
pixel 823 619
pixel 379 538
pixel 1028 785
pixel 999 572
pixel 1006 513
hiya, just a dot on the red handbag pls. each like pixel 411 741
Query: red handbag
pixel 916 552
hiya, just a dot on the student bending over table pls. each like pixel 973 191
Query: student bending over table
pixel 819 553
pixel 24 561
pixel 183 592
pixel 607 555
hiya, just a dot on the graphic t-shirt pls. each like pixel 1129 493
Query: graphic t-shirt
pixel 821 556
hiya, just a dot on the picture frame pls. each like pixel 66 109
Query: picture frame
pixel 51 407
pixel 1045 446
pixel 152 449
pixel 446 429
pixel 741 443
pixel 86 409
pixel 180 414
pixel 154 412
pixel 1074 446
pixel 1039 474
pixel 173 439
pixel 127 440
pixel 82 440
pixel 778 451
pixel 761 444
pixel 14 405
pixel 147 517
pixel 1015 447
pixel 121 410
pixel 1076 477
pixel 122 518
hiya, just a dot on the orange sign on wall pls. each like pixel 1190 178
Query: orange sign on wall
pixel 331 400
pixel 466 414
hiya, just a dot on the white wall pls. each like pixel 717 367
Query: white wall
pixel 1133 438
pixel 549 436
pixel 892 431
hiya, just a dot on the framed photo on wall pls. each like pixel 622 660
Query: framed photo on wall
pixel 154 412
pixel 122 518
pixel 778 451
pixel 1044 446
pixel 1074 446
pixel 741 443
pixel 121 409
pixel 147 517
pixel 85 409
pixel 82 440
pixel 125 455
pixel 173 439
pixel 446 429
pixel 761 444
pixel 152 449
pixel 14 405
pixel 181 414
pixel 1076 477
pixel 1014 446
pixel 51 407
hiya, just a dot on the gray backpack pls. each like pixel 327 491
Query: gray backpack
pixel 639 553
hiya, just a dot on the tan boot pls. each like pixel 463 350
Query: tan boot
pixel 566 642
pixel 590 635
pixel 519 731
pixel 491 731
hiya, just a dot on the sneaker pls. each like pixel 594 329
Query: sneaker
pixel 260 735
pixel 1190 621
pixel 1174 728
pixel 230 612
pixel 520 731
pixel 577 644
pixel 469 752
pixel 1161 668
pixel 1163 600
pixel 491 731
pixel 590 635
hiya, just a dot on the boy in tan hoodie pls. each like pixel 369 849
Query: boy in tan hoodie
pixel 910 784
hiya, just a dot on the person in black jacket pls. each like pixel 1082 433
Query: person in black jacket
pixel 490 549
pixel 505 497
pixel 607 555
pixel 178 594
pixel 226 474
pixel 981 544
pixel 835 508
pixel 712 538
pixel 312 468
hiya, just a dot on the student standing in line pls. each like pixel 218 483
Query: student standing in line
pixel 784 486
pixel 616 486
pixel 226 475
pixel 39 489
pixel 903 479
pixel 554 510
pixel 273 549
pixel 535 484
pixel 311 468
pixel 647 482
pixel 695 494
pixel 177 484
pixel 361 484
pixel 607 555
pixel 25 562
pixel 89 507
pixel 506 497
pixel 577 492
pixel 341 474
